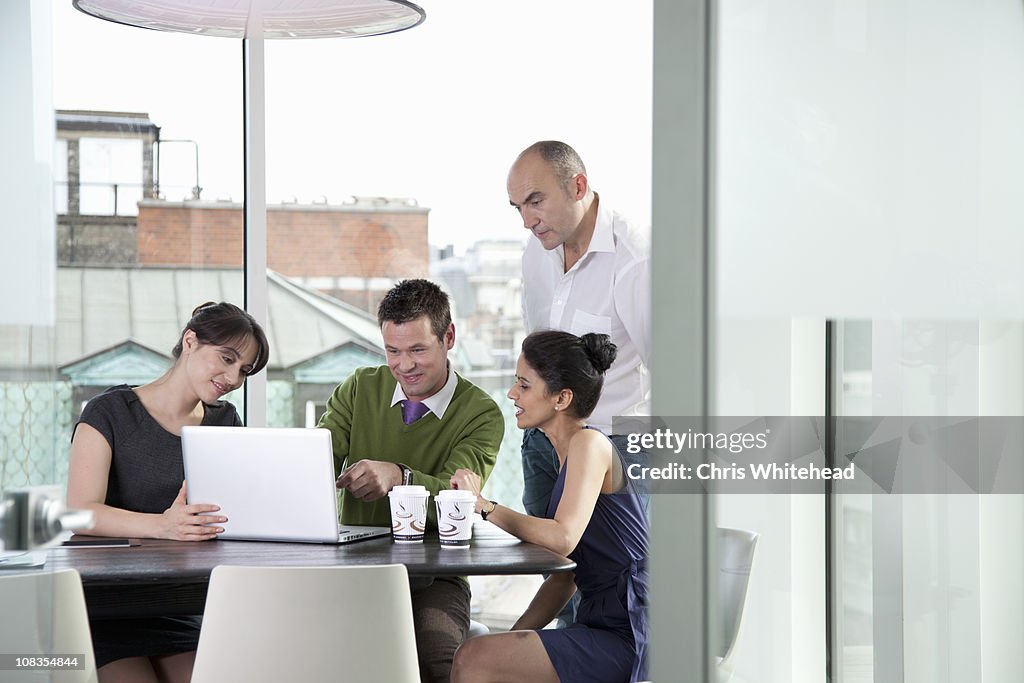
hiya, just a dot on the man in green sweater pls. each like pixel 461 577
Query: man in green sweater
pixel 414 421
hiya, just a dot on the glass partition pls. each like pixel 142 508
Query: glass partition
pixel 918 575
pixel 860 160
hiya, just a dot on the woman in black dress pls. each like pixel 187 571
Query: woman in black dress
pixel 126 467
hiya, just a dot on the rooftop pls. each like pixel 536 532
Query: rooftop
pixel 99 308
pixel 117 121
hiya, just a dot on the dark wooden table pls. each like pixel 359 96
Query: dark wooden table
pixel 160 577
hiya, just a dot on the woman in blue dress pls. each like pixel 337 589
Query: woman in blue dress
pixel 126 467
pixel 595 517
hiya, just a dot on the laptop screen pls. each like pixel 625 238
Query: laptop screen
pixel 274 484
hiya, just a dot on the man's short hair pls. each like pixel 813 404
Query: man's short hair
pixel 562 158
pixel 410 299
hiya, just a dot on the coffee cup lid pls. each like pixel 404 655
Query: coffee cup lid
pixel 410 490
pixel 455 493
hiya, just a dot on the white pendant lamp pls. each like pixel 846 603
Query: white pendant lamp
pixel 270 19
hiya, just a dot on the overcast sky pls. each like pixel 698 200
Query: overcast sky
pixel 436 113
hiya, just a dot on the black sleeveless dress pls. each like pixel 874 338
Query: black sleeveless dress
pixel 146 471
pixel 608 642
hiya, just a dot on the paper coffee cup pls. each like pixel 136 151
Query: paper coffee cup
pixel 455 517
pixel 408 513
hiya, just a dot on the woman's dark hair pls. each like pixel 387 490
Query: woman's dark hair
pixel 224 323
pixel 565 361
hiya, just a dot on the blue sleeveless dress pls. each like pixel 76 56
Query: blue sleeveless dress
pixel 608 642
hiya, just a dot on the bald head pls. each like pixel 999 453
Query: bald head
pixel 562 158
pixel 548 185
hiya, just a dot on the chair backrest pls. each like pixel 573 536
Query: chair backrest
pixel 735 557
pixel 44 614
pixel 307 624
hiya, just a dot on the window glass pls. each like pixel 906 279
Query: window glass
pixel 387 159
pixel 137 250
pixel 60 175
pixel 899 558
pixel 852 526
pixel 30 401
pixel 110 176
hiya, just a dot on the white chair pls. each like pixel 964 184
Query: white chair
pixel 272 624
pixel 735 558
pixel 44 614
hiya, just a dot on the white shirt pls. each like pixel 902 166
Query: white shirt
pixel 608 291
pixel 439 402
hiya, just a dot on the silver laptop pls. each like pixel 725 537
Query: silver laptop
pixel 272 484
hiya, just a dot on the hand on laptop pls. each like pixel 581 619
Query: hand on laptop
pixel 182 521
pixel 370 480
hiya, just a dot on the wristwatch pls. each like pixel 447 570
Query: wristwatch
pixel 487 509
pixel 406 474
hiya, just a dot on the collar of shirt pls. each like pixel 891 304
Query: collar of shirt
pixel 439 402
pixel 603 239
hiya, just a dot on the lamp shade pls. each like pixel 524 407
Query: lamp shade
pixel 269 19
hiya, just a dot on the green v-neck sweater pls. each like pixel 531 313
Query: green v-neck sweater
pixel 364 426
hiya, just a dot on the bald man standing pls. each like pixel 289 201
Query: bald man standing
pixel 587 270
